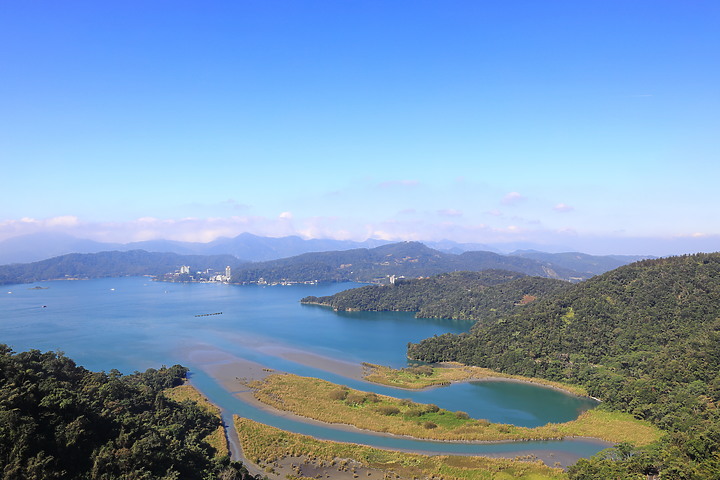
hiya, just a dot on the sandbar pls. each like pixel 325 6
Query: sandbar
pixel 235 373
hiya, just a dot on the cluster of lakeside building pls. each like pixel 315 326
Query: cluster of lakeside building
pixel 184 274
pixel 208 276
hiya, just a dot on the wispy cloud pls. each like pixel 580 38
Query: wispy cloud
pixel 399 183
pixel 513 198
pixel 449 212
pixel 563 208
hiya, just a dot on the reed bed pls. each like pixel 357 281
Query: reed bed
pixel 331 403
pixel 265 445
pixel 417 378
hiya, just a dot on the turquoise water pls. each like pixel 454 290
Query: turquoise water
pixel 134 324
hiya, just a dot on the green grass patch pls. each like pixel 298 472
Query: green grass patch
pixel 265 445
pixel 319 400
pixel 416 378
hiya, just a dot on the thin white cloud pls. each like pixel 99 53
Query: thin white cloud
pixel 420 228
pixel 64 221
pixel 449 212
pixel 234 204
pixel 513 198
pixel 399 183
pixel 563 208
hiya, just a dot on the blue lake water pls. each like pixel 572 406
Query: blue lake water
pixel 134 323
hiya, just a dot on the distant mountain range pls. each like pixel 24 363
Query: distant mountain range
pixel 581 262
pixel 252 248
pixel 109 264
pixel 246 246
pixel 409 259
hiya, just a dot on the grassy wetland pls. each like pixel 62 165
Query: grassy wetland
pixel 301 456
pixel 425 376
pixel 331 403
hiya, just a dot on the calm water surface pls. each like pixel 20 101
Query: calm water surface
pixel 134 324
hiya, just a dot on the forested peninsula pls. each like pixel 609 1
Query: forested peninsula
pixel 59 420
pixel 644 338
pixel 456 295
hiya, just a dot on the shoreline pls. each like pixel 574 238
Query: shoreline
pixel 491 376
pixel 234 374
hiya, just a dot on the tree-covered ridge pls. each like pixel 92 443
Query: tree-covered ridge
pixel 581 262
pixel 457 295
pixel 58 420
pixel 409 259
pixel 645 338
pixel 109 264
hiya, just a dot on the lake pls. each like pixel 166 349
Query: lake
pixel 135 323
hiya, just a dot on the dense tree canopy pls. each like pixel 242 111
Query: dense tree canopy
pixel 645 338
pixel 59 420
pixel 457 295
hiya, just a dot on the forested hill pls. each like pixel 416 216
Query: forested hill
pixel 458 295
pixel 581 262
pixel 644 338
pixel 58 420
pixel 410 259
pixel 109 264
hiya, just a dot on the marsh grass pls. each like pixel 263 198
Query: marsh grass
pixel 318 399
pixel 416 378
pixel 266 445
pixel 187 392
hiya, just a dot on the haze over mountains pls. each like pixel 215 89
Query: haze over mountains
pixel 410 259
pixel 248 247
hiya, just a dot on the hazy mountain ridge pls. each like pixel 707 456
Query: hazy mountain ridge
pixel 582 262
pixel 109 264
pixel 246 246
pixel 409 259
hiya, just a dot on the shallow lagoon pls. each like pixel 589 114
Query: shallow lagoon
pixel 134 324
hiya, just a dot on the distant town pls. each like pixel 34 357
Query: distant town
pixel 184 274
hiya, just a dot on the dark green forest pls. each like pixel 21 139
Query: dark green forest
pixel 644 338
pixel 61 421
pixel 457 295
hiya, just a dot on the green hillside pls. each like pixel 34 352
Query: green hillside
pixel 645 338
pixel 109 264
pixel 409 259
pixel 61 421
pixel 457 295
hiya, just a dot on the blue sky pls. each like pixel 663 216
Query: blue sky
pixel 591 125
